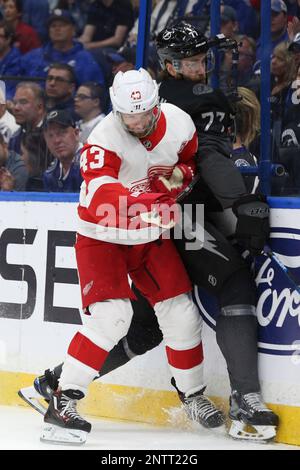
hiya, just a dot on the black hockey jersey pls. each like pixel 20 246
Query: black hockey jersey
pixel 210 109
pixel 213 116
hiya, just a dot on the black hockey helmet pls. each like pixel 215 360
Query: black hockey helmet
pixel 179 42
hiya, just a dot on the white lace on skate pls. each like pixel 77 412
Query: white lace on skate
pixel 69 408
pixel 200 409
pixel 255 403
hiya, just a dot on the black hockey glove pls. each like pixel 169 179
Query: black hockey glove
pixel 253 228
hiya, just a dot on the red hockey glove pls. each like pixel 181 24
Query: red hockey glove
pixel 181 177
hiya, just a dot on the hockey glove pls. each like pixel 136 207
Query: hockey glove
pixel 165 213
pixel 159 209
pixel 181 177
pixel 253 228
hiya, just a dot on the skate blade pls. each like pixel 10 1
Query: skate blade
pixel 238 430
pixel 32 397
pixel 53 434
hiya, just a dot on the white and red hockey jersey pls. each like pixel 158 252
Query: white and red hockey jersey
pixel 116 166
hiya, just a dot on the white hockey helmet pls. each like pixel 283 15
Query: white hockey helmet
pixel 133 92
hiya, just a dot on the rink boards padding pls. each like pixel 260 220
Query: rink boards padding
pixel 39 314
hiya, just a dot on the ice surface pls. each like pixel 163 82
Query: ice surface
pixel 21 428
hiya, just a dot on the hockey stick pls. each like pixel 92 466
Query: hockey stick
pixel 188 189
pixel 293 280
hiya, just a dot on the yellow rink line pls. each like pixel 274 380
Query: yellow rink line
pixel 143 405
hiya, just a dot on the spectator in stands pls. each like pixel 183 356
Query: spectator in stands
pixel 165 12
pixel 161 13
pixel 292 6
pixel 36 14
pixel 229 27
pixel 247 128
pixel 289 150
pixel 89 105
pixel 62 48
pixel 9 58
pixel 60 87
pixel 247 17
pixel 245 71
pixel 282 77
pixel 79 11
pixel 292 116
pixel 13 173
pixel 279 21
pixel 294 47
pixel 8 125
pixel 125 59
pixel 29 110
pixel 26 38
pixel 283 71
pixel 36 157
pixel 119 62
pixel 108 25
pixel 247 52
pixel 62 138
pixel 229 23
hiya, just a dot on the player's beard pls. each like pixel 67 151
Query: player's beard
pixel 149 128
pixel 198 78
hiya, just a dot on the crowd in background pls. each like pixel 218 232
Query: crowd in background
pixel 58 59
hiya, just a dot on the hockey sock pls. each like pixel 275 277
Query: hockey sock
pixel 116 358
pixel 237 339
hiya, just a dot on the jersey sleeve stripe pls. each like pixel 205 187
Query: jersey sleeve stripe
pixel 188 151
pixel 95 184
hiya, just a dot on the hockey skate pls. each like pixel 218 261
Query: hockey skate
pixel 63 424
pixel 249 412
pixel 201 409
pixel 40 392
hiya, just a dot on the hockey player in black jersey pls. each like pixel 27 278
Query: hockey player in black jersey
pixel 229 211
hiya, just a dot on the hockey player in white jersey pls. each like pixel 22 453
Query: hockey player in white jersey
pixel 119 233
pixel 235 286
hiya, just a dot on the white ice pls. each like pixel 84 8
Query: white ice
pixel 21 428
